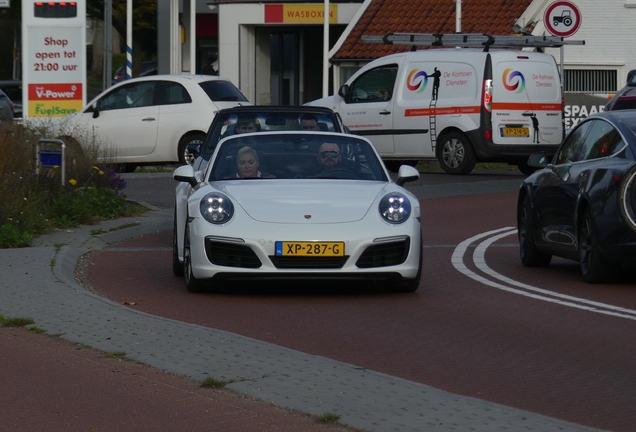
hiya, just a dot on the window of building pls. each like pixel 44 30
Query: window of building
pixel 590 81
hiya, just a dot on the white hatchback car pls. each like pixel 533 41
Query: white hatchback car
pixel 151 119
pixel 296 205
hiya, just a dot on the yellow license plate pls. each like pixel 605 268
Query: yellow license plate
pixel 516 132
pixel 310 249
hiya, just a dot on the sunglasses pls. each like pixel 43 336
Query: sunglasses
pixel 331 153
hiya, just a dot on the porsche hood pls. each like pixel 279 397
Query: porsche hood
pixel 306 202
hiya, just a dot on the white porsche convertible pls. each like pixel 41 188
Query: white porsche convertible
pixel 296 205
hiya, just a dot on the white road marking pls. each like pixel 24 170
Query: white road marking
pixel 531 291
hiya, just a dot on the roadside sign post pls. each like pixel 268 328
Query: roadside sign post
pixel 563 19
pixel 53 57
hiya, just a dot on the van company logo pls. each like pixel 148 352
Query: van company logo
pixel 514 81
pixel 417 80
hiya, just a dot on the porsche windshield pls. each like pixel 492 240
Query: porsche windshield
pixel 296 156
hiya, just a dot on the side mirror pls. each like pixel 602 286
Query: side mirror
pixel 185 173
pixel 95 110
pixel 343 91
pixel 407 173
pixel 538 160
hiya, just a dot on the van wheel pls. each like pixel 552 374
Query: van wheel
pixel 456 155
pixel 184 155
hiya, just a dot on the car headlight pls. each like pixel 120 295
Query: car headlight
pixel 216 208
pixel 395 208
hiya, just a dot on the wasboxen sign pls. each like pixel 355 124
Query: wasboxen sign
pixel 300 13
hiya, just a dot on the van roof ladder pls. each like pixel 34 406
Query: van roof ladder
pixel 472 40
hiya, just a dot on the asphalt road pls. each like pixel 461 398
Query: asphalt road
pixel 480 324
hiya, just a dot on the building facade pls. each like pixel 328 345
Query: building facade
pixel 274 50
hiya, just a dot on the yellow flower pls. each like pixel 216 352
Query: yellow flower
pixel 56 166
pixel 96 168
pixel 73 182
pixel 101 173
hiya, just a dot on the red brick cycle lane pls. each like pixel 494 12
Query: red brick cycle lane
pixel 455 333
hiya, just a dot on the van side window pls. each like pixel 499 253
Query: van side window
pixel 374 86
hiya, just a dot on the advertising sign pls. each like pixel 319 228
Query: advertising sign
pixel 299 13
pixel 53 58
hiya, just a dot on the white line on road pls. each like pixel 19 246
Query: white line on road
pixel 480 262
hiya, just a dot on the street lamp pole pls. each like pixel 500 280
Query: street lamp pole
pixel 325 53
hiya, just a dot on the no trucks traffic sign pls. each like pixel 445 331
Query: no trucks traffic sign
pixel 562 18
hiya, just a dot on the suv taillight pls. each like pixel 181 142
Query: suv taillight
pixel 486 95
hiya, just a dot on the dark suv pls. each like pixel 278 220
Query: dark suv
pixel 264 118
pixel 626 97
pixel 13 90
pixel 627 100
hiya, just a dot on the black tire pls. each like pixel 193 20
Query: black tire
pixel 525 168
pixel 456 154
pixel 627 198
pixel 184 155
pixel 177 266
pixel 412 285
pixel 567 22
pixel 192 284
pixel 530 255
pixel 594 268
pixel 125 168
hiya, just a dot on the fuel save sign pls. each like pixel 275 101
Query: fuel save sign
pixel 53 58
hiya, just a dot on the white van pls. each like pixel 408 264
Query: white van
pixel 457 105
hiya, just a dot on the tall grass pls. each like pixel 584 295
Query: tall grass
pixel 32 204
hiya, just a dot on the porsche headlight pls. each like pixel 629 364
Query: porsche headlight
pixel 395 208
pixel 216 208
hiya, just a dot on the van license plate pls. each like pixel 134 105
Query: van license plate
pixel 310 249
pixel 515 132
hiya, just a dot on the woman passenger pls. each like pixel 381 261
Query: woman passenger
pixel 247 163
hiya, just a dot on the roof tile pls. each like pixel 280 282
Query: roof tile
pixel 431 16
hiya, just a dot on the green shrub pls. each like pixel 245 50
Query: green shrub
pixel 37 203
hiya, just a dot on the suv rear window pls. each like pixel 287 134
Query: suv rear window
pixel 222 91
pixel 623 104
